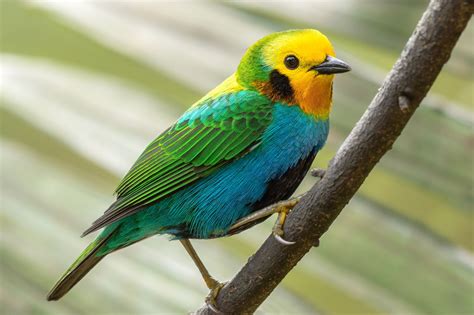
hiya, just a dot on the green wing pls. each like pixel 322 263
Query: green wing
pixel 207 136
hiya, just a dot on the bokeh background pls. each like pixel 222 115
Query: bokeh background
pixel 85 85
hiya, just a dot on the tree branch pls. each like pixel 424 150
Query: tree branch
pixel 425 53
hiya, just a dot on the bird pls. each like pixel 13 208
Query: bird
pixel 245 145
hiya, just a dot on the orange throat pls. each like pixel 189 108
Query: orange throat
pixel 314 98
pixel 313 94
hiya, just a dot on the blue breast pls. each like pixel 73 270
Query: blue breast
pixel 213 204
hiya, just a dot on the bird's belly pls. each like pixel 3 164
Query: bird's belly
pixel 281 187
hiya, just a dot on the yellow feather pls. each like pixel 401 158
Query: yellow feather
pixel 229 85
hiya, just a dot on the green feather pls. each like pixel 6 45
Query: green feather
pixel 208 136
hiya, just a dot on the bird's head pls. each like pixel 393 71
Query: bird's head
pixel 294 67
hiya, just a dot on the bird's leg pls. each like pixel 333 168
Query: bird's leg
pixel 211 283
pixel 253 217
pixel 208 279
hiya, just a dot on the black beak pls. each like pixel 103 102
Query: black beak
pixel 331 65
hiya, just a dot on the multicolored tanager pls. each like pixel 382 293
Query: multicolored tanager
pixel 245 145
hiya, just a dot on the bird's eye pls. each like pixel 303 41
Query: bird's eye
pixel 291 62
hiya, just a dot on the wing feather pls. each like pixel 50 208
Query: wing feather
pixel 209 135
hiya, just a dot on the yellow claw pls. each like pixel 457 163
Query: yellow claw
pixel 278 228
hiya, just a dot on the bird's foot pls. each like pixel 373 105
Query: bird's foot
pixel 283 210
pixel 215 288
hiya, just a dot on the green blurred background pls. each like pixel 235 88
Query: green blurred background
pixel 85 85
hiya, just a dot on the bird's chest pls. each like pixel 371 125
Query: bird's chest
pixel 275 169
pixel 291 139
pixel 285 152
pixel 292 136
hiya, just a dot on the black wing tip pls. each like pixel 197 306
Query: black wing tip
pixel 91 229
pixel 86 232
pixel 100 222
pixel 96 225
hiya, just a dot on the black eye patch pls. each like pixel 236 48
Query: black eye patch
pixel 281 87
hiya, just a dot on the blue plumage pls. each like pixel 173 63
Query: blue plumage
pixel 212 205
pixel 245 145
